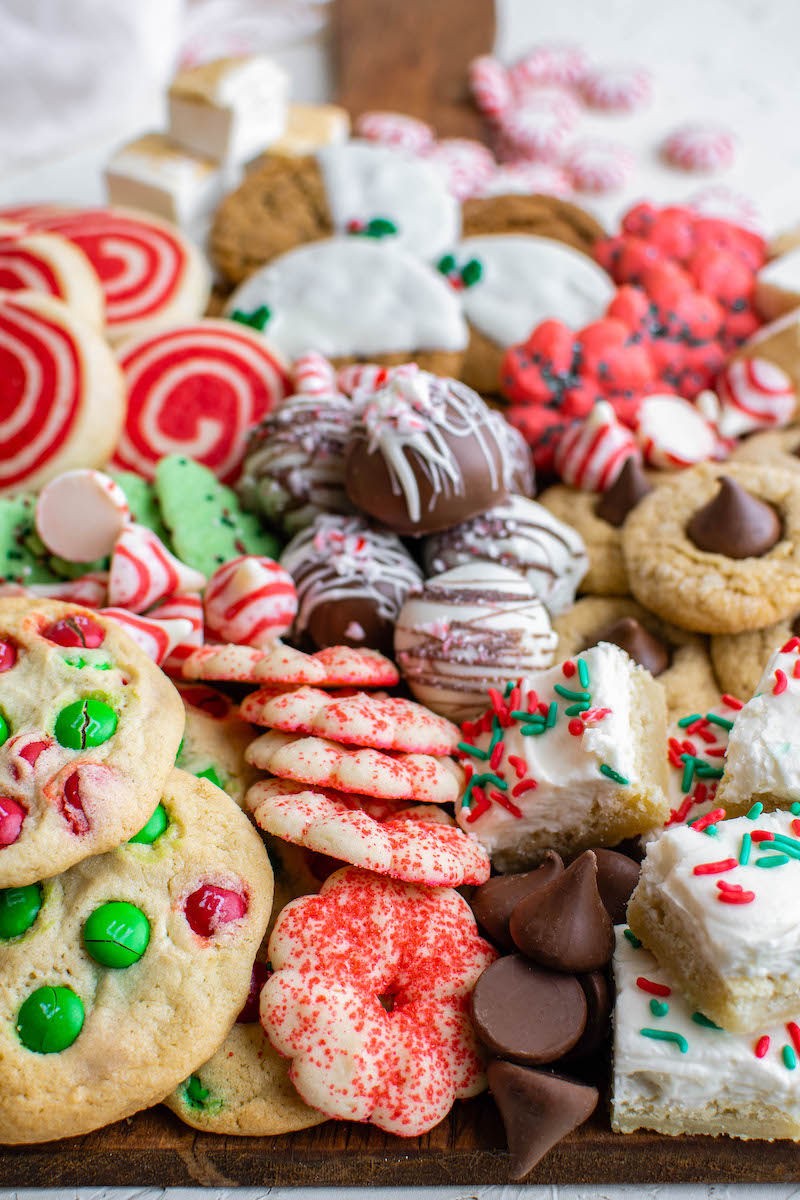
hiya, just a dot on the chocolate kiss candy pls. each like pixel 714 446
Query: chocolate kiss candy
pixel 525 1013
pixel 735 523
pixel 538 1109
pixel 494 902
pixel 598 1015
pixel 630 486
pixel 565 925
pixel 638 643
pixel 617 876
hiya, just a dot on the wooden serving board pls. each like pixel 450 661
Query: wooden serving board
pixel 154 1149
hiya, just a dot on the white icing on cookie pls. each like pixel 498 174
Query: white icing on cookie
pixel 363 181
pixel 353 296
pixel 526 280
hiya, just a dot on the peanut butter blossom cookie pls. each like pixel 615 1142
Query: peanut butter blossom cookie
pixel 106 967
pixel 90 729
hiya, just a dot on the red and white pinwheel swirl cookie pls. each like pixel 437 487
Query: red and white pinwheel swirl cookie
pixel 90 728
pixel 419 843
pixel 48 263
pixel 393 1043
pixel 151 275
pixel 61 392
pixel 197 389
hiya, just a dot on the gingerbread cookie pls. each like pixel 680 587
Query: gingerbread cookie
pixel 536 215
pixel 214 740
pixel 371 302
pixel 90 730
pixel 107 966
pixel 718 549
pixel 679 660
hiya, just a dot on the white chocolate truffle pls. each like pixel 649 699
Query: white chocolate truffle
pixel 470 629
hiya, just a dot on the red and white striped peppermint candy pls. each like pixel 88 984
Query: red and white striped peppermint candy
pixel 564 64
pixel 250 601
pixel 490 85
pixel 599 167
pixel 396 129
pixel 148 271
pixel 591 453
pixel 187 606
pixel 728 205
pixel 313 374
pixel 465 164
pixel 362 377
pixel 156 637
pixel 527 178
pixel 673 433
pixel 537 128
pixel 699 148
pixel 754 393
pixel 616 89
pixel 80 514
pixel 197 389
pixel 89 590
pixel 143 571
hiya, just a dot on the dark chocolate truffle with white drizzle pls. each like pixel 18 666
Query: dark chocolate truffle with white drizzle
pixel 351 581
pixel 425 453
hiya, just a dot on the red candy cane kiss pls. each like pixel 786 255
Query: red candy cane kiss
pixel 210 907
pixel 250 601
pixel 143 571
pixel 197 389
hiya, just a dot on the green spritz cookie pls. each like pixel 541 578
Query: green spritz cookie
pixel 143 502
pixel 207 524
pixel 19 561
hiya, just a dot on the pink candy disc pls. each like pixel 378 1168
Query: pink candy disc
pixel 591 453
pixel 599 166
pixel 526 178
pixel 564 64
pixel 538 128
pixel 313 374
pixel 616 89
pixel 727 205
pixel 672 433
pixel 250 601
pixel 490 85
pixel 466 164
pixel 143 571
pixel 699 148
pixel 12 814
pixel 395 129
pixel 80 515
pixel 754 393
pixel 210 907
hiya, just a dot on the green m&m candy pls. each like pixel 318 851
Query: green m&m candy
pixel 50 1020
pixel 210 773
pixel 116 934
pixel 4 730
pixel 85 723
pixel 19 908
pixel 154 827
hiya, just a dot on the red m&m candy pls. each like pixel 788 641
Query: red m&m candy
pixel 77 630
pixel 12 814
pixel 210 907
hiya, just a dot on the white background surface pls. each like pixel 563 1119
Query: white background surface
pixel 733 61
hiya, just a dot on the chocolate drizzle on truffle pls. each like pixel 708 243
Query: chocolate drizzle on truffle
pixel 735 523
pixel 638 643
pixel 630 486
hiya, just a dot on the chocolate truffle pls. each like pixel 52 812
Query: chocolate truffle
pixel 469 629
pixel 351 581
pixel 523 535
pixel 294 464
pixel 425 453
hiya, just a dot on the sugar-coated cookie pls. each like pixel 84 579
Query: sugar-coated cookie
pixel 123 974
pixel 90 730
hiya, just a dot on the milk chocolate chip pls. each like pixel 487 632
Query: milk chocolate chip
pixel 630 486
pixel 617 876
pixel 494 902
pixel 564 925
pixel 538 1109
pixel 528 1014
pixel 735 523
pixel 638 643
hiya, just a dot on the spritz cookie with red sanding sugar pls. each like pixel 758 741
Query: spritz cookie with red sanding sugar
pixel 386 776
pixel 392 1041
pixel 727 931
pixel 418 843
pixel 214 740
pixel 90 729
pixel 335 666
pixel 570 758
pixel 382 722
pixel 107 966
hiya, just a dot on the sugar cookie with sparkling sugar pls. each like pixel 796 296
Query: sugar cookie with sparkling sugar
pixel 335 666
pixel 90 728
pixel 365 939
pixel 727 931
pixel 570 758
pixel 250 601
pixel 416 843
pixel 677 1072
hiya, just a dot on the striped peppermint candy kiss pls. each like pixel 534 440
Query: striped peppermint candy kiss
pixel 699 148
pixel 312 374
pixel 250 601
pixel 143 571
pixel 591 453
pixel 186 606
pixel 754 393
pixel 673 433
pixel 156 637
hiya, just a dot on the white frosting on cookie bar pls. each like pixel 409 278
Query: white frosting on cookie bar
pixel 526 280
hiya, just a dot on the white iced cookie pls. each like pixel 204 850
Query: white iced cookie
pixel 676 1072
pixel 353 297
pixel 364 181
pixel 523 535
pixel 471 629
pixel 763 761
pixel 726 929
pixel 581 760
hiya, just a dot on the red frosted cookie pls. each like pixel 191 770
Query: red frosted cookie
pixel 197 389
pixel 393 1043
pixel 61 394
pixel 45 262
pixel 150 274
